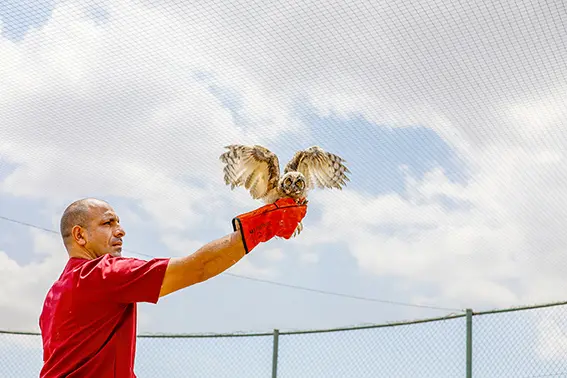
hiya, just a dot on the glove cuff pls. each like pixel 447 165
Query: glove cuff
pixel 237 226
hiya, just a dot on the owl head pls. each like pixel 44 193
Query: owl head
pixel 292 184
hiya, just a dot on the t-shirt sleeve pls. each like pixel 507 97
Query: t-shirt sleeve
pixel 123 279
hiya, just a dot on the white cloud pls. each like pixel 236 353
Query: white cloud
pixel 394 63
pixel 85 114
pixel 501 245
pixel 29 344
pixel 23 286
pixel 274 254
pixel 309 258
pixel 551 334
pixel 118 109
pixel 249 268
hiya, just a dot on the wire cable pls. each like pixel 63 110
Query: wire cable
pixel 295 287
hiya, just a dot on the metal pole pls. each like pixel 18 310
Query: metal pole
pixel 275 354
pixel 469 343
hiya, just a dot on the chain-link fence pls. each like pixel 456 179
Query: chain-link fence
pixel 525 342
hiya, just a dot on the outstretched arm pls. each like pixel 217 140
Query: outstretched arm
pixel 208 261
pixel 277 219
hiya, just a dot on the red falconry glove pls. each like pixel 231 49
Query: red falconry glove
pixel 276 219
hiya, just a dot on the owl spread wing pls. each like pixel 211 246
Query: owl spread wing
pixel 254 167
pixel 320 168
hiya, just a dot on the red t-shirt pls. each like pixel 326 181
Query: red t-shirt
pixel 88 322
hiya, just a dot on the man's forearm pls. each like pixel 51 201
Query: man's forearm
pixel 208 261
pixel 223 254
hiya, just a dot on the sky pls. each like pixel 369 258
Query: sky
pixel 450 118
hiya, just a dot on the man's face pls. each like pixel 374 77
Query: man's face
pixel 104 233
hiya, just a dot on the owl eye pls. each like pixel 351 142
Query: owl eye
pixel 288 181
pixel 300 184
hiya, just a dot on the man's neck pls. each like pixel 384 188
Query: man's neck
pixel 82 254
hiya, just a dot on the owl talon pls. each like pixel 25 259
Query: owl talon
pixel 297 230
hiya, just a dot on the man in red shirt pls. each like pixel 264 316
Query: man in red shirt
pixel 88 321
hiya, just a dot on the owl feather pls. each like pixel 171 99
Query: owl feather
pixel 320 168
pixel 257 169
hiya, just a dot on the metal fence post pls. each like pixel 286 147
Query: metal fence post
pixel 469 343
pixel 275 354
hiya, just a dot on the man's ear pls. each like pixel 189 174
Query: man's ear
pixel 79 235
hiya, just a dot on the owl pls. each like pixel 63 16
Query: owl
pixel 257 169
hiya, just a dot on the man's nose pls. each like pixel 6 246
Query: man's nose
pixel 120 232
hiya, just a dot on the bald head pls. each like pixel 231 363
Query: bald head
pixel 91 228
pixel 77 214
